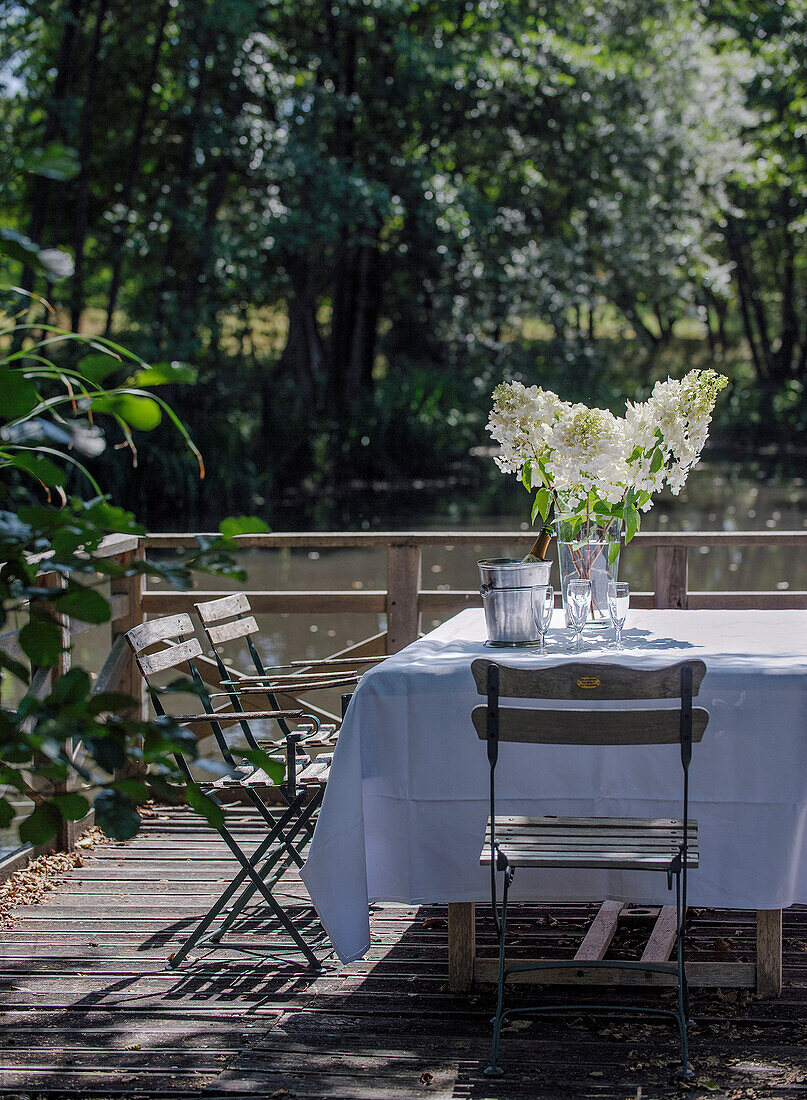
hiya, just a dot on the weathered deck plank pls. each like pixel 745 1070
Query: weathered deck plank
pixel 87 1006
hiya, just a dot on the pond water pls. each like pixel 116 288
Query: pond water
pixel 719 496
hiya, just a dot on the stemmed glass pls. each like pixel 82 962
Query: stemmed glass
pixel 618 603
pixel 578 606
pixel 543 604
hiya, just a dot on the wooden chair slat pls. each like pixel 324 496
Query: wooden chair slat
pixel 230 632
pixel 316 772
pixel 591 842
pixel 211 611
pixel 236 715
pixel 294 684
pixel 169 658
pixel 616 861
pixel 584 680
pixel 590 727
pixel 159 630
pixel 604 822
pixel 577 843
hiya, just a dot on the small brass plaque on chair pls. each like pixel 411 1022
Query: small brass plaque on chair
pixel 588 682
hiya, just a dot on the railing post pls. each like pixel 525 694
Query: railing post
pixel 69 831
pixel 403 589
pixel 131 682
pixel 670 571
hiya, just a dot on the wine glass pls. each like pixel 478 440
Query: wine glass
pixel 543 604
pixel 618 603
pixel 578 606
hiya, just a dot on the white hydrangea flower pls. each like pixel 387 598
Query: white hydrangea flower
pixel 588 450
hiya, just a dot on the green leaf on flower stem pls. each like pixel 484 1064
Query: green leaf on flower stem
pixel 42 825
pixel 72 806
pixel 17 246
pixel 209 810
pixel 137 411
pixel 631 522
pixel 541 504
pixel 657 461
pixel 637 452
pixel 243 525
pixel 41 641
pixel 613 553
pixel 84 604
pixel 526 475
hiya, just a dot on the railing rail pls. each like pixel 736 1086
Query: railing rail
pixel 404 600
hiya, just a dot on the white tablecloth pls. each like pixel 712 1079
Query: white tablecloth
pixel 405 808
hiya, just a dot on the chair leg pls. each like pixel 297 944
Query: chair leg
pixel 494 1069
pixel 684 1073
pixel 195 937
pixel 269 899
pixel 248 871
pixel 241 902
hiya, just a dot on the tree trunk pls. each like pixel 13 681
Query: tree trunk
pixel 752 309
pixel 83 180
pixel 41 187
pixel 182 186
pixel 356 303
pixel 303 357
pixel 121 229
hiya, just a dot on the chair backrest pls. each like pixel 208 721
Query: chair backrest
pixel 173 628
pixel 588 682
pixel 226 619
pixel 176 629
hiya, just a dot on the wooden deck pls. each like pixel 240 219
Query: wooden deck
pixel 88 1007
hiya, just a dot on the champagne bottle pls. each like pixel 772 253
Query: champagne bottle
pixel 538 550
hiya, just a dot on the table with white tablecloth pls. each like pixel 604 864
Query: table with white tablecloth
pixel 404 813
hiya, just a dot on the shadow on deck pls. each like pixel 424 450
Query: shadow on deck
pixel 88 1007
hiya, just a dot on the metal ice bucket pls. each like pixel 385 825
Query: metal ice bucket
pixel 506 591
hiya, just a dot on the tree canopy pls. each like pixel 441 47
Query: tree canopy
pixel 356 215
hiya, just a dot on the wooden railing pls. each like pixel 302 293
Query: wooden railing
pixel 404 600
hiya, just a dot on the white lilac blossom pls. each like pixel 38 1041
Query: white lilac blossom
pixel 586 458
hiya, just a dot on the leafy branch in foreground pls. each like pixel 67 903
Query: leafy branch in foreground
pixel 72 737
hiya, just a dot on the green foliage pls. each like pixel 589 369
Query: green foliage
pixel 321 206
pixel 72 733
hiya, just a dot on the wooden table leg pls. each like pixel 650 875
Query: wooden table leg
pixel 461 945
pixel 769 952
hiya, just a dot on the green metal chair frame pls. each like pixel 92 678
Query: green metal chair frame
pixel 229 619
pixel 261 871
pixel 669 847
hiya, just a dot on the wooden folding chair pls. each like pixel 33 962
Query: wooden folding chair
pixel 666 846
pixel 243 785
pixel 229 619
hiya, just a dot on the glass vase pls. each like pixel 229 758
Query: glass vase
pixel 589 550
